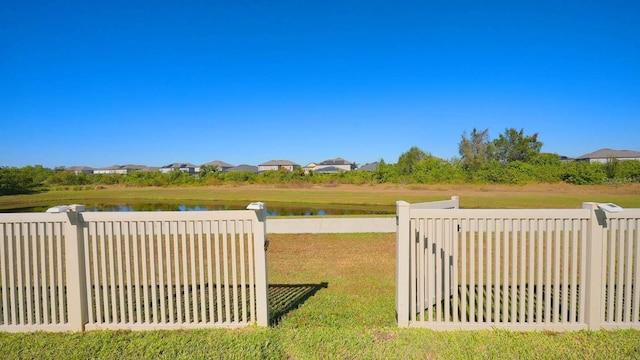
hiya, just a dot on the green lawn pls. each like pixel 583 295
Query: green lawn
pixel 471 196
pixel 332 296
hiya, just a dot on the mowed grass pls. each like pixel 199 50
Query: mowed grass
pixel 332 298
pixel 385 195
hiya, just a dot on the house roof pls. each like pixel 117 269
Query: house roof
pixel 134 167
pixel 610 153
pixel 244 167
pixel 279 163
pixel 112 167
pixel 79 168
pixel 179 166
pixel 369 167
pixel 329 169
pixel 336 161
pixel 218 163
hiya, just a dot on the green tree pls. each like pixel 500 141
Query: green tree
pixel 209 170
pixel 15 181
pixel 408 161
pixel 514 145
pixel 475 150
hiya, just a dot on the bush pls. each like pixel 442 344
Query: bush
pixel 583 173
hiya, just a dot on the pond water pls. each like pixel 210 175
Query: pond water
pixel 272 209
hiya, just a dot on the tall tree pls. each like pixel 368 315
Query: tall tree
pixel 408 160
pixel 514 145
pixel 476 149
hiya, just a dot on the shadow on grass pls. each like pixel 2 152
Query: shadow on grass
pixel 284 298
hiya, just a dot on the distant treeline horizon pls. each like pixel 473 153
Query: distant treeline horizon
pixel 512 158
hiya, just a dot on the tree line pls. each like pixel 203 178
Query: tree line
pixel 512 158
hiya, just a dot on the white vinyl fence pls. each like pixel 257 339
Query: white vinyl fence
pixel 132 270
pixel 520 269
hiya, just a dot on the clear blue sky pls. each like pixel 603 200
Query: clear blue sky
pixel 99 83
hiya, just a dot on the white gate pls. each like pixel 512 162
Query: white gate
pixel 520 269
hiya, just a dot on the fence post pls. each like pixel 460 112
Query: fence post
pixel 456 202
pixel 75 263
pixel 260 252
pixel 402 262
pixel 594 269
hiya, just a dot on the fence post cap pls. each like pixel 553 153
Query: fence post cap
pixel 58 209
pixel 610 207
pixel 66 208
pixel 256 206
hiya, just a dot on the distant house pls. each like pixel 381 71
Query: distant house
pixel 80 169
pixel 220 165
pixel 330 166
pixel 329 170
pixel 310 167
pixel 278 165
pixel 132 167
pixel 113 169
pixel 605 155
pixel 119 169
pixel 184 167
pixel 244 167
pixel 369 167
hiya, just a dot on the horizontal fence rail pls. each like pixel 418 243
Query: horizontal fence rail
pixel 138 270
pixel 553 269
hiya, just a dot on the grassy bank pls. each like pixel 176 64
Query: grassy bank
pixel 332 296
pixel 471 196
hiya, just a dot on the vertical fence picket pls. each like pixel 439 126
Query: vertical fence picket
pixel 178 239
pixel 619 282
pixel 514 242
pixel 226 275
pixel 610 271
pixel 192 298
pixel 137 280
pixel 150 243
pixel 628 269
pixel 3 275
pixel 252 277
pixel 531 224
pixel 522 288
pixel 163 268
pixel 454 242
pixel 635 231
pixel 473 294
pixel 202 236
pixel 414 271
pixel 20 289
pixel 539 269
pixel 243 275
pixel 574 281
pixel 218 261
pixel 494 245
pixel 564 305
pixel 29 271
pixel 419 251
pixel 463 235
pixel 233 236
pixel 481 271
pixel 37 271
